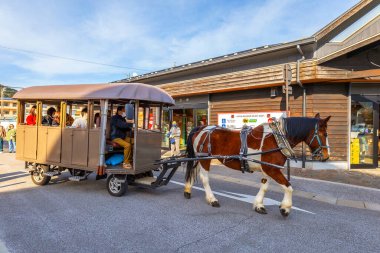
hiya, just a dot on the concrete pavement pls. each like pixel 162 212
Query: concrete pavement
pixel 82 217
pixel 66 216
pixel 317 190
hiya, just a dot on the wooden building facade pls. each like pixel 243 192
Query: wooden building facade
pixel 336 71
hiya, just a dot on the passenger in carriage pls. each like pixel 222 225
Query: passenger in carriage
pixel 119 129
pixel 82 121
pixel 48 119
pixel 97 120
pixel 32 117
pixel 57 118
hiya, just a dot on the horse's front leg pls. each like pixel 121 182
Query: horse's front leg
pixel 258 204
pixel 286 203
pixel 210 198
pixel 276 175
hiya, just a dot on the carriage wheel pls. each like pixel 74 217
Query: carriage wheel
pixel 38 176
pixel 115 187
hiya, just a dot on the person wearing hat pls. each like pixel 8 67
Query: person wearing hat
pixel 32 117
pixel 174 138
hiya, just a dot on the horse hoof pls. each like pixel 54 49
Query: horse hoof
pixel 261 210
pixel 187 195
pixel 284 212
pixel 215 204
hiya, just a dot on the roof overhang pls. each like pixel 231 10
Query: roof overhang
pixel 349 49
pixel 371 74
pixel 119 91
pixel 223 59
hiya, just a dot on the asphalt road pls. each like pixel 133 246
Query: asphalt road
pixel 82 217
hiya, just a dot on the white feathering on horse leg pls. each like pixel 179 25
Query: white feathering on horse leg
pixel 210 198
pixel 260 195
pixel 287 201
pixel 189 184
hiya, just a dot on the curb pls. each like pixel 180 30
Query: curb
pixel 307 195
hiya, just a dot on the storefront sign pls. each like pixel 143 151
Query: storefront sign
pixel 253 119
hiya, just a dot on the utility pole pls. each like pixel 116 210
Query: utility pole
pixel 286 88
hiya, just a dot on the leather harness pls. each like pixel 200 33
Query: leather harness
pixel 277 131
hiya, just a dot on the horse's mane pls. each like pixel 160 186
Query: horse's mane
pixel 299 127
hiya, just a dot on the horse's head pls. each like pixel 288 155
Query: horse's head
pixel 318 139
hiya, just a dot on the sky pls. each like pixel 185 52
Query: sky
pixel 137 37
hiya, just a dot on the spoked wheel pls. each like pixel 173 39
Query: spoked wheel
pixel 115 186
pixel 38 176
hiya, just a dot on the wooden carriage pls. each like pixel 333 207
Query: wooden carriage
pixel 48 150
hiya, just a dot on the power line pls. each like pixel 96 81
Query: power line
pixel 69 58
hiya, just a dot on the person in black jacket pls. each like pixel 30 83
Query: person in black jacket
pixel 119 129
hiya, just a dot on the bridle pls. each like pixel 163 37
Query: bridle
pixel 317 153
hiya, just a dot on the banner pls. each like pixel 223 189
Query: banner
pixel 252 119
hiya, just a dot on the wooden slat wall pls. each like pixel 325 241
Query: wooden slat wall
pixel 247 79
pixel 332 100
pixel 325 99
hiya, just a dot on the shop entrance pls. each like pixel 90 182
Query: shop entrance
pixel 364 148
pixel 186 120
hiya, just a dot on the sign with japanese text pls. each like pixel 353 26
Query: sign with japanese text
pixel 252 119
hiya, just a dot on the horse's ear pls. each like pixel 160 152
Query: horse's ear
pixel 317 116
pixel 327 119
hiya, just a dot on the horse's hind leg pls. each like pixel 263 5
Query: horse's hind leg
pixel 286 203
pixel 210 198
pixel 190 182
pixel 258 205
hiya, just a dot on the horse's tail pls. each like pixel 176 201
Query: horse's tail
pixel 190 153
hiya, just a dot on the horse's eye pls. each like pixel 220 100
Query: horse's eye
pixel 325 134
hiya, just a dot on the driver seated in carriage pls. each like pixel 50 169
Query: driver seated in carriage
pixel 119 129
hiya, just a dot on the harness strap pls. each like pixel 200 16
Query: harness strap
pixel 317 151
pixel 244 148
pixel 208 136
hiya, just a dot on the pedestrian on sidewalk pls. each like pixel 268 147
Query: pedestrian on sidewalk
pixel 174 138
pixel 3 135
pixel 11 138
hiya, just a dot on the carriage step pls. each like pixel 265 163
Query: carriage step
pixel 52 173
pixel 77 178
pixel 30 170
pixel 145 180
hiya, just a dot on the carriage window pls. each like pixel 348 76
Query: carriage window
pixel 50 115
pixel 76 115
pixel 141 118
pixel 97 118
pixel 149 118
pixel 29 116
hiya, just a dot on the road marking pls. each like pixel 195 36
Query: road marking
pixel 243 197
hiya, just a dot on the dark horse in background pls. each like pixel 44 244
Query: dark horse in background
pixel 225 142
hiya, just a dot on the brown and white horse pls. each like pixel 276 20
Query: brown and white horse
pixel 224 142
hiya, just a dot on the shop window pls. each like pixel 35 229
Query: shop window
pixel 362 133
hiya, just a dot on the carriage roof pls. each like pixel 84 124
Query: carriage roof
pixel 138 91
